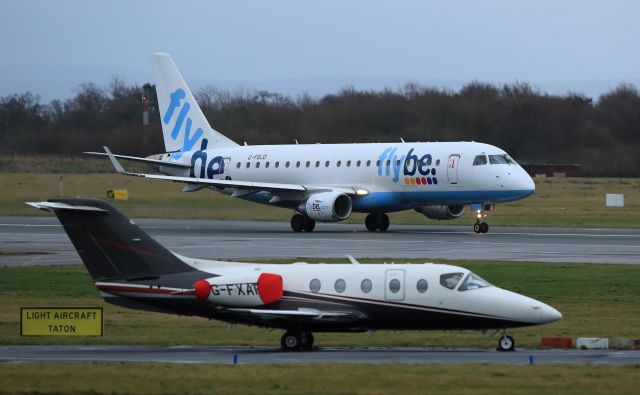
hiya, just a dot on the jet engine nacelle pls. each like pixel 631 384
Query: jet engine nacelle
pixel 244 290
pixel 328 206
pixel 441 211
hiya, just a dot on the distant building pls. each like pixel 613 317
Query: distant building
pixel 551 170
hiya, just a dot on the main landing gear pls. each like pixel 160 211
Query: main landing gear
pixel 506 343
pixel 377 221
pixel 297 341
pixel 300 222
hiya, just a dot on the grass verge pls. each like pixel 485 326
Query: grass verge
pixel 104 378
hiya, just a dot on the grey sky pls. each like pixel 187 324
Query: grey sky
pixel 49 47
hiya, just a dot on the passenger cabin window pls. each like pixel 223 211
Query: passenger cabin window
pixel 498 160
pixel 308 163
pixel 277 164
pixel 248 164
pixel 394 286
pixel 358 163
pixel 286 165
pixel 238 165
pixel 366 285
pixel 473 282
pixel 422 285
pixel 450 280
pixel 257 165
pixel 340 286
pixel 266 165
pixel 368 163
pixel 338 163
pixel 348 163
pixel 326 164
pixel 378 163
pixel 317 163
pixel 480 160
pixel 298 164
pixel 314 285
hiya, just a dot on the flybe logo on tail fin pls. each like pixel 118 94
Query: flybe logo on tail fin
pixel 411 167
pixel 176 102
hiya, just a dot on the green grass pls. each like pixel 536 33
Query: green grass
pixel 573 202
pixel 105 378
pixel 596 300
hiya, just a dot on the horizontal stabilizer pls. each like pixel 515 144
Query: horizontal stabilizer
pixel 149 161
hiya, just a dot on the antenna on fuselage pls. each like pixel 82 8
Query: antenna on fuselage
pixel 245 144
pixel 296 140
pixel 401 139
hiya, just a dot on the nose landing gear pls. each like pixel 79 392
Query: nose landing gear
pixel 506 343
pixel 480 226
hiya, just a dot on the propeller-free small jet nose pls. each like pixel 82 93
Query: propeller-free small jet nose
pixel 549 314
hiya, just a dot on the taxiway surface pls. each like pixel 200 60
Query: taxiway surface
pixel 41 240
pixel 265 355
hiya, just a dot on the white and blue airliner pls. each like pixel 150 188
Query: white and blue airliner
pixel 327 182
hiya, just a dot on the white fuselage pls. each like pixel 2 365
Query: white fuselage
pixel 393 176
pixel 417 288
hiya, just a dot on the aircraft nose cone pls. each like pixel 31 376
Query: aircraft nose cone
pixel 549 314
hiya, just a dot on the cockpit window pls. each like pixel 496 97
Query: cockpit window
pixel 480 160
pixel 450 280
pixel 500 160
pixel 473 282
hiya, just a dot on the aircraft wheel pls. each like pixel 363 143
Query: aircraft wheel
pixel 484 227
pixel 307 341
pixel 297 222
pixel 506 343
pixel 309 224
pixel 383 222
pixel 291 341
pixel 477 228
pixel 371 222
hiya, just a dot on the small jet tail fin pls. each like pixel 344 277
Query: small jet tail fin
pixel 184 126
pixel 111 246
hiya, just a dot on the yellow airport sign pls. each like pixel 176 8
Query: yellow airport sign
pixel 118 194
pixel 61 321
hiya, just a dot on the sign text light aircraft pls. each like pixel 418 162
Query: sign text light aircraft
pixel 327 182
pixel 132 270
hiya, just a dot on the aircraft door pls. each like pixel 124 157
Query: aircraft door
pixel 394 284
pixel 452 168
pixel 227 167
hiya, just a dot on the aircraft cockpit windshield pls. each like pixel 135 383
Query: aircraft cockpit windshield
pixel 502 159
pixel 473 281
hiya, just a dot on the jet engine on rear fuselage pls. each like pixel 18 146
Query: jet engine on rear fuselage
pixel 328 206
pixel 441 211
pixel 241 290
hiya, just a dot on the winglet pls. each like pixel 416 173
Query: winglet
pixel 114 161
pixel 353 260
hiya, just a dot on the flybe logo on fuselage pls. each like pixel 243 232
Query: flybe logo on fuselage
pixel 414 169
pixel 175 102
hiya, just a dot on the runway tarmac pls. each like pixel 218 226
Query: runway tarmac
pixel 266 355
pixel 41 240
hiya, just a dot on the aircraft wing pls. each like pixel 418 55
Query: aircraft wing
pixel 149 161
pixel 303 313
pixel 199 183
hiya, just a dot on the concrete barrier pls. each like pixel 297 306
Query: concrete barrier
pixel 592 343
pixel 556 342
pixel 624 344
